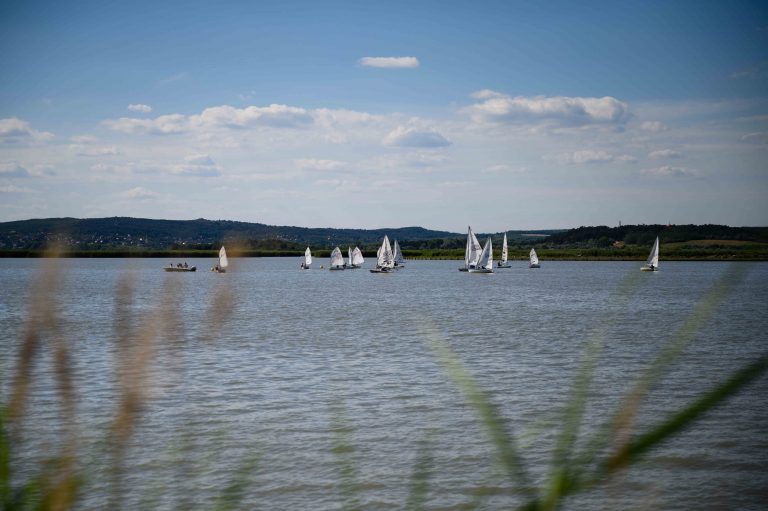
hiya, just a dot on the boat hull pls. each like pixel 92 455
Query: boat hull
pixel 191 268
pixel 648 268
pixel 534 266
pixel 503 266
pixel 463 269
pixel 352 267
pixel 480 270
pixel 381 270
pixel 220 270
pixel 336 268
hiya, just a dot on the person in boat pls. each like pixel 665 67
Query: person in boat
pixel 185 264
pixel 178 265
pixel 651 267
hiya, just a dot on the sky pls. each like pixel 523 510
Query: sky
pixel 500 115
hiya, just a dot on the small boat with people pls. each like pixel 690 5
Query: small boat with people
pixel 307 260
pixel 652 264
pixel 472 251
pixel 533 259
pixel 355 258
pixel 221 266
pixel 385 259
pixel 504 261
pixel 485 260
pixel 398 256
pixel 337 260
pixel 179 267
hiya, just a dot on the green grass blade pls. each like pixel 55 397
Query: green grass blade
pixel 422 471
pixel 683 419
pixel 488 414
pixel 343 449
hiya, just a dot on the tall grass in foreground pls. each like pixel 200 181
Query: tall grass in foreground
pixel 580 461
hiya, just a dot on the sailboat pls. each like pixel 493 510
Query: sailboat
pixel 652 264
pixel 485 260
pixel 534 259
pixel 398 255
pixel 504 254
pixel 385 262
pixel 307 259
pixel 337 260
pixel 223 262
pixel 355 259
pixel 472 252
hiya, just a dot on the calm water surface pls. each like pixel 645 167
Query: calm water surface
pixel 309 362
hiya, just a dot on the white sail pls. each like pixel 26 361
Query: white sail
pixel 534 258
pixel 337 260
pixel 398 255
pixel 349 256
pixel 357 257
pixel 307 257
pixel 223 261
pixel 504 250
pixel 653 257
pixel 485 260
pixel 386 259
pixel 472 252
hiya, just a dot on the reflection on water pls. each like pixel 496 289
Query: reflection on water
pixel 321 390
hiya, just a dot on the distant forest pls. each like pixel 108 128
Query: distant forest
pixel 124 234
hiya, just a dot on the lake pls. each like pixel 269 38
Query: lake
pixel 324 390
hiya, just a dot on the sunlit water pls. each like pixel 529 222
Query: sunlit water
pixel 311 361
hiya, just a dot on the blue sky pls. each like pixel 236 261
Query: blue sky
pixel 503 115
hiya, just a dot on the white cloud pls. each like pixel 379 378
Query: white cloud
pixel 653 126
pixel 626 158
pixel 584 156
pixel 80 150
pixel 505 169
pixel 667 171
pixel 138 193
pixel 313 164
pixel 15 189
pixel 664 153
pixel 390 62
pixel 138 107
pixel 500 108
pixel 756 138
pixel 13 169
pixel 413 136
pixel 15 131
pixel 84 139
pixel 199 165
pixel 274 116
pixel 758 70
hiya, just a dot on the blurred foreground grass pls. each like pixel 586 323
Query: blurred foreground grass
pixel 581 460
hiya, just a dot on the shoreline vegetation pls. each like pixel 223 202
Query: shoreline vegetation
pixel 757 252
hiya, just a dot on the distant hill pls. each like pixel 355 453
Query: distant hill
pixel 122 232
pixel 602 236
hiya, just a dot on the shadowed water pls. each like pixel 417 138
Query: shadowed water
pixel 311 359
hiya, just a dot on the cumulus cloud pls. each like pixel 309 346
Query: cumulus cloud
pixel 138 107
pixel 80 150
pixel 588 156
pixel 413 136
pixel 653 126
pixel 314 164
pixel 199 165
pixel 390 62
pixel 15 189
pixel 275 116
pixel 138 193
pixel 667 171
pixel 15 131
pixel 505 169
pixel 758 70
pixel 756 138
pixel 664 153
pixel 13 169
pixel 495 107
